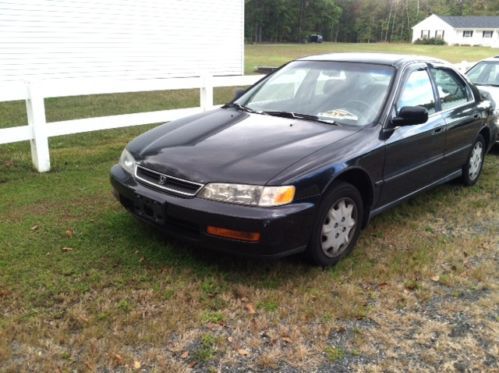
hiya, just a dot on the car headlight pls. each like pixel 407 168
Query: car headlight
pixel 252 195
pixel 127 162
pixel 496 114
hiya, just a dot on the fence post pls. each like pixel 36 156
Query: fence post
pixel 206 92
pixel 35 108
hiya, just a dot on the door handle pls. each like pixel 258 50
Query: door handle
pixel 438 130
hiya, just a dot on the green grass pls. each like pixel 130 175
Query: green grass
pixel 206 350
pixel 84 286
pixel 277 54
pixel 334 354
pixel 65 108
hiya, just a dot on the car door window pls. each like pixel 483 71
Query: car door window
pixel 417 91
pixel 452 90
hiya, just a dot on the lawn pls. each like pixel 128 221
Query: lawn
pixel 83 286
pixel 277 54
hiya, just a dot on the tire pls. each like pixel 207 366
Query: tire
pixel 337 226
pixel 474 164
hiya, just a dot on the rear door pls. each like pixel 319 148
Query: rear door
pixel 414 154
pixel 460 113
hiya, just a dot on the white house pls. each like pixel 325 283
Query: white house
pixel 120 39
pixel 459 30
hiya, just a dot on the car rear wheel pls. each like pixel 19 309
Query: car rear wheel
pixel 474 164
pixel 338 225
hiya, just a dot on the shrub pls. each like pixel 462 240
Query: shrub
pixel 430 41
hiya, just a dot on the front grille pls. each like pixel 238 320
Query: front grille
pixel 167 182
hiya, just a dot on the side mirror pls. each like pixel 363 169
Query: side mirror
pixel 239 92
pixel 410 115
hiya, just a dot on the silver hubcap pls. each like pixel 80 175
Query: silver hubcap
pixel 475 161
pixel 338 227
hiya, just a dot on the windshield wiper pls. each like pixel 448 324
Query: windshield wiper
pixel 240 107
pixel 290 114
pixel 488 84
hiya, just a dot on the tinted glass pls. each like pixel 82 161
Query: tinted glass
pixel 417 91
pixel 452 90
pixel 485 73
pixel 343 92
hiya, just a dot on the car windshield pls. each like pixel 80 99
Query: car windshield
pixel 330 92
pixel 485 73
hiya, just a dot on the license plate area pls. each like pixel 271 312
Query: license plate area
pixel 149 209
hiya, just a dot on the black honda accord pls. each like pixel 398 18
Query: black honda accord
pixel 305 157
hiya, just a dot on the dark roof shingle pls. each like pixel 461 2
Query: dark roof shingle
pixel 472 21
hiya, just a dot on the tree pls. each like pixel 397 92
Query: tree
pixel 349 20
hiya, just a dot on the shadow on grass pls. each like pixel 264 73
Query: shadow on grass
pixel 160 251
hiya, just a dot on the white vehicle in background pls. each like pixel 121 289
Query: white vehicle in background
pixel 485 75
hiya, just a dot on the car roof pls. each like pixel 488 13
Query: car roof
pixel 397 60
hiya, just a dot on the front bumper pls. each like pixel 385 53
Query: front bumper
pixel 284 230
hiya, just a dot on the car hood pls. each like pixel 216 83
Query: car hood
pixel 227 145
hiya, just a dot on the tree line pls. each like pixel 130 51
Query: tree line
pixel 349 20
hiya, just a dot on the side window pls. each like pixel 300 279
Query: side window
pixel 417 91
pixel 452 90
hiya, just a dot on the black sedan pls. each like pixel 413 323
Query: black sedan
pixel 304 158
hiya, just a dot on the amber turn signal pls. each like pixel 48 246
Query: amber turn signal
pixel 232 234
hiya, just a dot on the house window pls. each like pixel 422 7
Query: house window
pixel 467 34
pixel 425 34
pixel 487 34
pixel 439 34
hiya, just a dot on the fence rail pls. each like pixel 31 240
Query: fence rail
pixel 38 130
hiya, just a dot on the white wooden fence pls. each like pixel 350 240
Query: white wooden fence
pixel 38 130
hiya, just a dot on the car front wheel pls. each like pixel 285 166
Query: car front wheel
pixel 474 164
pixel 338 225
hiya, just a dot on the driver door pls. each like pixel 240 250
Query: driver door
pixel 414 154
